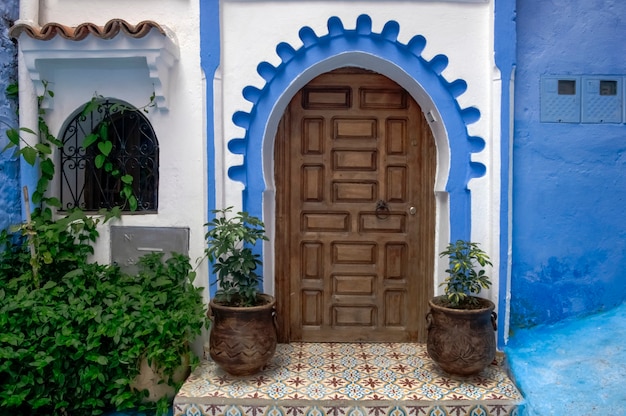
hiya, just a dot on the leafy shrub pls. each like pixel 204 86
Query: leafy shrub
pixel 230 238
pixel 72 345
pixel 53 356
pixel 73 331
pixel 463 279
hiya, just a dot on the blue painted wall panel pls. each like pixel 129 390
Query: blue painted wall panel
pixel 505 56
pixel 9 166
pixel 210 60
pixel 569 183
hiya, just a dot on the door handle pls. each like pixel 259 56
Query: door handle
pixel 382 210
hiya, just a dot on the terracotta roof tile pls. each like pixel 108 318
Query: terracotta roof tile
pixel 110 29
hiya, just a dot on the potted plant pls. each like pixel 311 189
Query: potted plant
pixel 461 326
pixel 164 313
pixel 243 334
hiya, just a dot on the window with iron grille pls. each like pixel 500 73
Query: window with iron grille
pixel 135 152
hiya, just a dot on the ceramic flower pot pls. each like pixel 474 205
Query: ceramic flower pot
pixel 461 341
pixel 242 339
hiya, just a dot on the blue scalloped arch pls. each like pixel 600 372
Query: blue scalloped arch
pixel 378 51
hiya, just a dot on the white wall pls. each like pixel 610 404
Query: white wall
pixel 251 29
pixel 180 130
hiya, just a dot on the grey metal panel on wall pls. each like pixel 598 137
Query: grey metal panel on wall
pixel 560 99
pixel 602 99
pixel 128 244
pixel 588 99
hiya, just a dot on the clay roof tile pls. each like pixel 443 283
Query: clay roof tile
pixel 108 31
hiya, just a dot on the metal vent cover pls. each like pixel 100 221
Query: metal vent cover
pixel 130 243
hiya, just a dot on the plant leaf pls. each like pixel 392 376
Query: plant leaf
pixel 99 161
pixel 132 202
pixel 90 106
pixel 13 136
pixel 47 167
pixel 43 148
pixel 12 90
pixel 27 130
pixel 105 147
pixel 90 139
pixel 30 155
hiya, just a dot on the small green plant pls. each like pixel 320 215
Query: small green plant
pixel 230 239
pixel 463 279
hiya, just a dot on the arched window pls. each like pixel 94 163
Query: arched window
pixel 134 152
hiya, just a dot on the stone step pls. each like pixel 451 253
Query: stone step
pixel 348 379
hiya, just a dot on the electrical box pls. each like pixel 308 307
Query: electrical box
pixel 602 99
pixel 560 99
pixel 130 243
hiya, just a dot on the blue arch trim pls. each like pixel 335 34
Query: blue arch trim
pixel 383 46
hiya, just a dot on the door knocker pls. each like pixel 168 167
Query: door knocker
pixel 382 210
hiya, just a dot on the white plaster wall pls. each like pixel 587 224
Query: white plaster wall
pixel 182 190
pixel 463 31
pixel 251 29
pixel 180 130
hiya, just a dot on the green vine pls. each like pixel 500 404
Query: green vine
pixel 101 140
pixel 43 231
pixel 74 331
pixel 42 150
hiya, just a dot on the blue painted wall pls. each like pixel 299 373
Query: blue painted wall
pixel 569 183
pixel 9 166
pixel 505 55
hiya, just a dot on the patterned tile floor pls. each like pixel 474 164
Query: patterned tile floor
pixel 348 379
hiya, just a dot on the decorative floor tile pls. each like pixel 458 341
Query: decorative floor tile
pixel 347 379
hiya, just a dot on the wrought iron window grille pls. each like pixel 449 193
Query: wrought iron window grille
pixel 135 152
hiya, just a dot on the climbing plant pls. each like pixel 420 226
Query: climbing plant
pixel 74 331
pixel 100 140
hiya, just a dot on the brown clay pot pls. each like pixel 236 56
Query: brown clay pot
pixel 461 341
pixel 242 339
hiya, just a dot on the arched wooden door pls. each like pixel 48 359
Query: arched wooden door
pixel 355 168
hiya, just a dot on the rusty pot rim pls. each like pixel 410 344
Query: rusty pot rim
pixel 488 306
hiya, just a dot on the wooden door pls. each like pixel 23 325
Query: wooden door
pixel 355 170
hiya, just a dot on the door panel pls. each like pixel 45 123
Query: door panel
pixel 355 165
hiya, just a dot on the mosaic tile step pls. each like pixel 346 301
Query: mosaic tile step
pixel 348 379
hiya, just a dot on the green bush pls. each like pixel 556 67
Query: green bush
pixel 71 340
pixel 73 332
